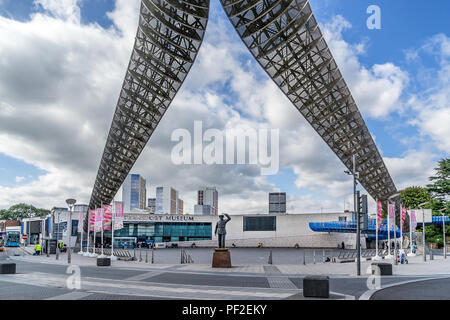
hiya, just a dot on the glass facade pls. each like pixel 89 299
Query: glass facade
pixel 159 199
pixel 135 188
pixel 260 223
pixel 166 231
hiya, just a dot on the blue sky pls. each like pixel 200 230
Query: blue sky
pixel 407 26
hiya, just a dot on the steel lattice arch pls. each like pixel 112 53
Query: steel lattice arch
pixel 285 39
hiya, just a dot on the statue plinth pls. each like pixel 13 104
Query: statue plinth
pixel 221 258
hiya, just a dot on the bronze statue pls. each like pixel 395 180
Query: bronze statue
pixel 220 229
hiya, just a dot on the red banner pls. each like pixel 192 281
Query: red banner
pixel 403 218
pixel 380 214
pixel 91 220
pixel 107 218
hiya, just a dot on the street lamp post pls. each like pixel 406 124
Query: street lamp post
pixel 443 232
pixel 395 230
pixel 70 203
pixel 423 231
pixel 80 225
pixel 57 239
pixel 356 210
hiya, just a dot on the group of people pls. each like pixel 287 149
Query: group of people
pixel 38 249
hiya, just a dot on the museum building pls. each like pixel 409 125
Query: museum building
pixel 274 230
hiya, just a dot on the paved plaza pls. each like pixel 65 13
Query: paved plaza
pixel 42 277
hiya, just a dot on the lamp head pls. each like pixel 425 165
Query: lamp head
pixel 395 195
pixel 70 203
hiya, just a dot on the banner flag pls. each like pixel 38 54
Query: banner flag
pixel 98 220
pixel 403 218
pixel 118 215
pixel 107 218
pixel 380 214
pixel 413 221
pixel 391 216
pixel 80 221
pixel 91 220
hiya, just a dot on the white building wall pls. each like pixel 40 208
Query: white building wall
pixel 291 229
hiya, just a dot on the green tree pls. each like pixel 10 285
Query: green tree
pixel 440 188
pixel 21 211
pixel 413 196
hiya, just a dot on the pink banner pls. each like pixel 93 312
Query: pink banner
pixel 391 212
pixel 413 221
pixel 98 219
pixel 91 220
pixel 107 218
pixel 118 215
pixel 80 221
pixel 380 214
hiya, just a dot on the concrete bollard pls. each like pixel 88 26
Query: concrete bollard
pixel 270 257
pixel 146 256
pixel 7 268
pixel 314 255
pixel 316 287
pixel 140 255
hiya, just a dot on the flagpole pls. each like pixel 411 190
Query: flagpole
pixel 389 256
pixel 86 254
pixel 102 213
pixel 79 224
pixel 113 218
pixel 411 254
pixel 95 233
pixel 377 257
pixel 401 226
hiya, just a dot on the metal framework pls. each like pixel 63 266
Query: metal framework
pixel 284 38
pixel 168 39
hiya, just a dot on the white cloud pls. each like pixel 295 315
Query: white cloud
pixel 62 9
pixel 430 108
pixel 377 90
pixel 19 179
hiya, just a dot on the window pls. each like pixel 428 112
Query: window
pixel 74 229
pixel 260 223
pixel 342 219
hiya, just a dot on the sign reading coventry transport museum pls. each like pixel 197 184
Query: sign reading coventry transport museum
pixel 158 217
